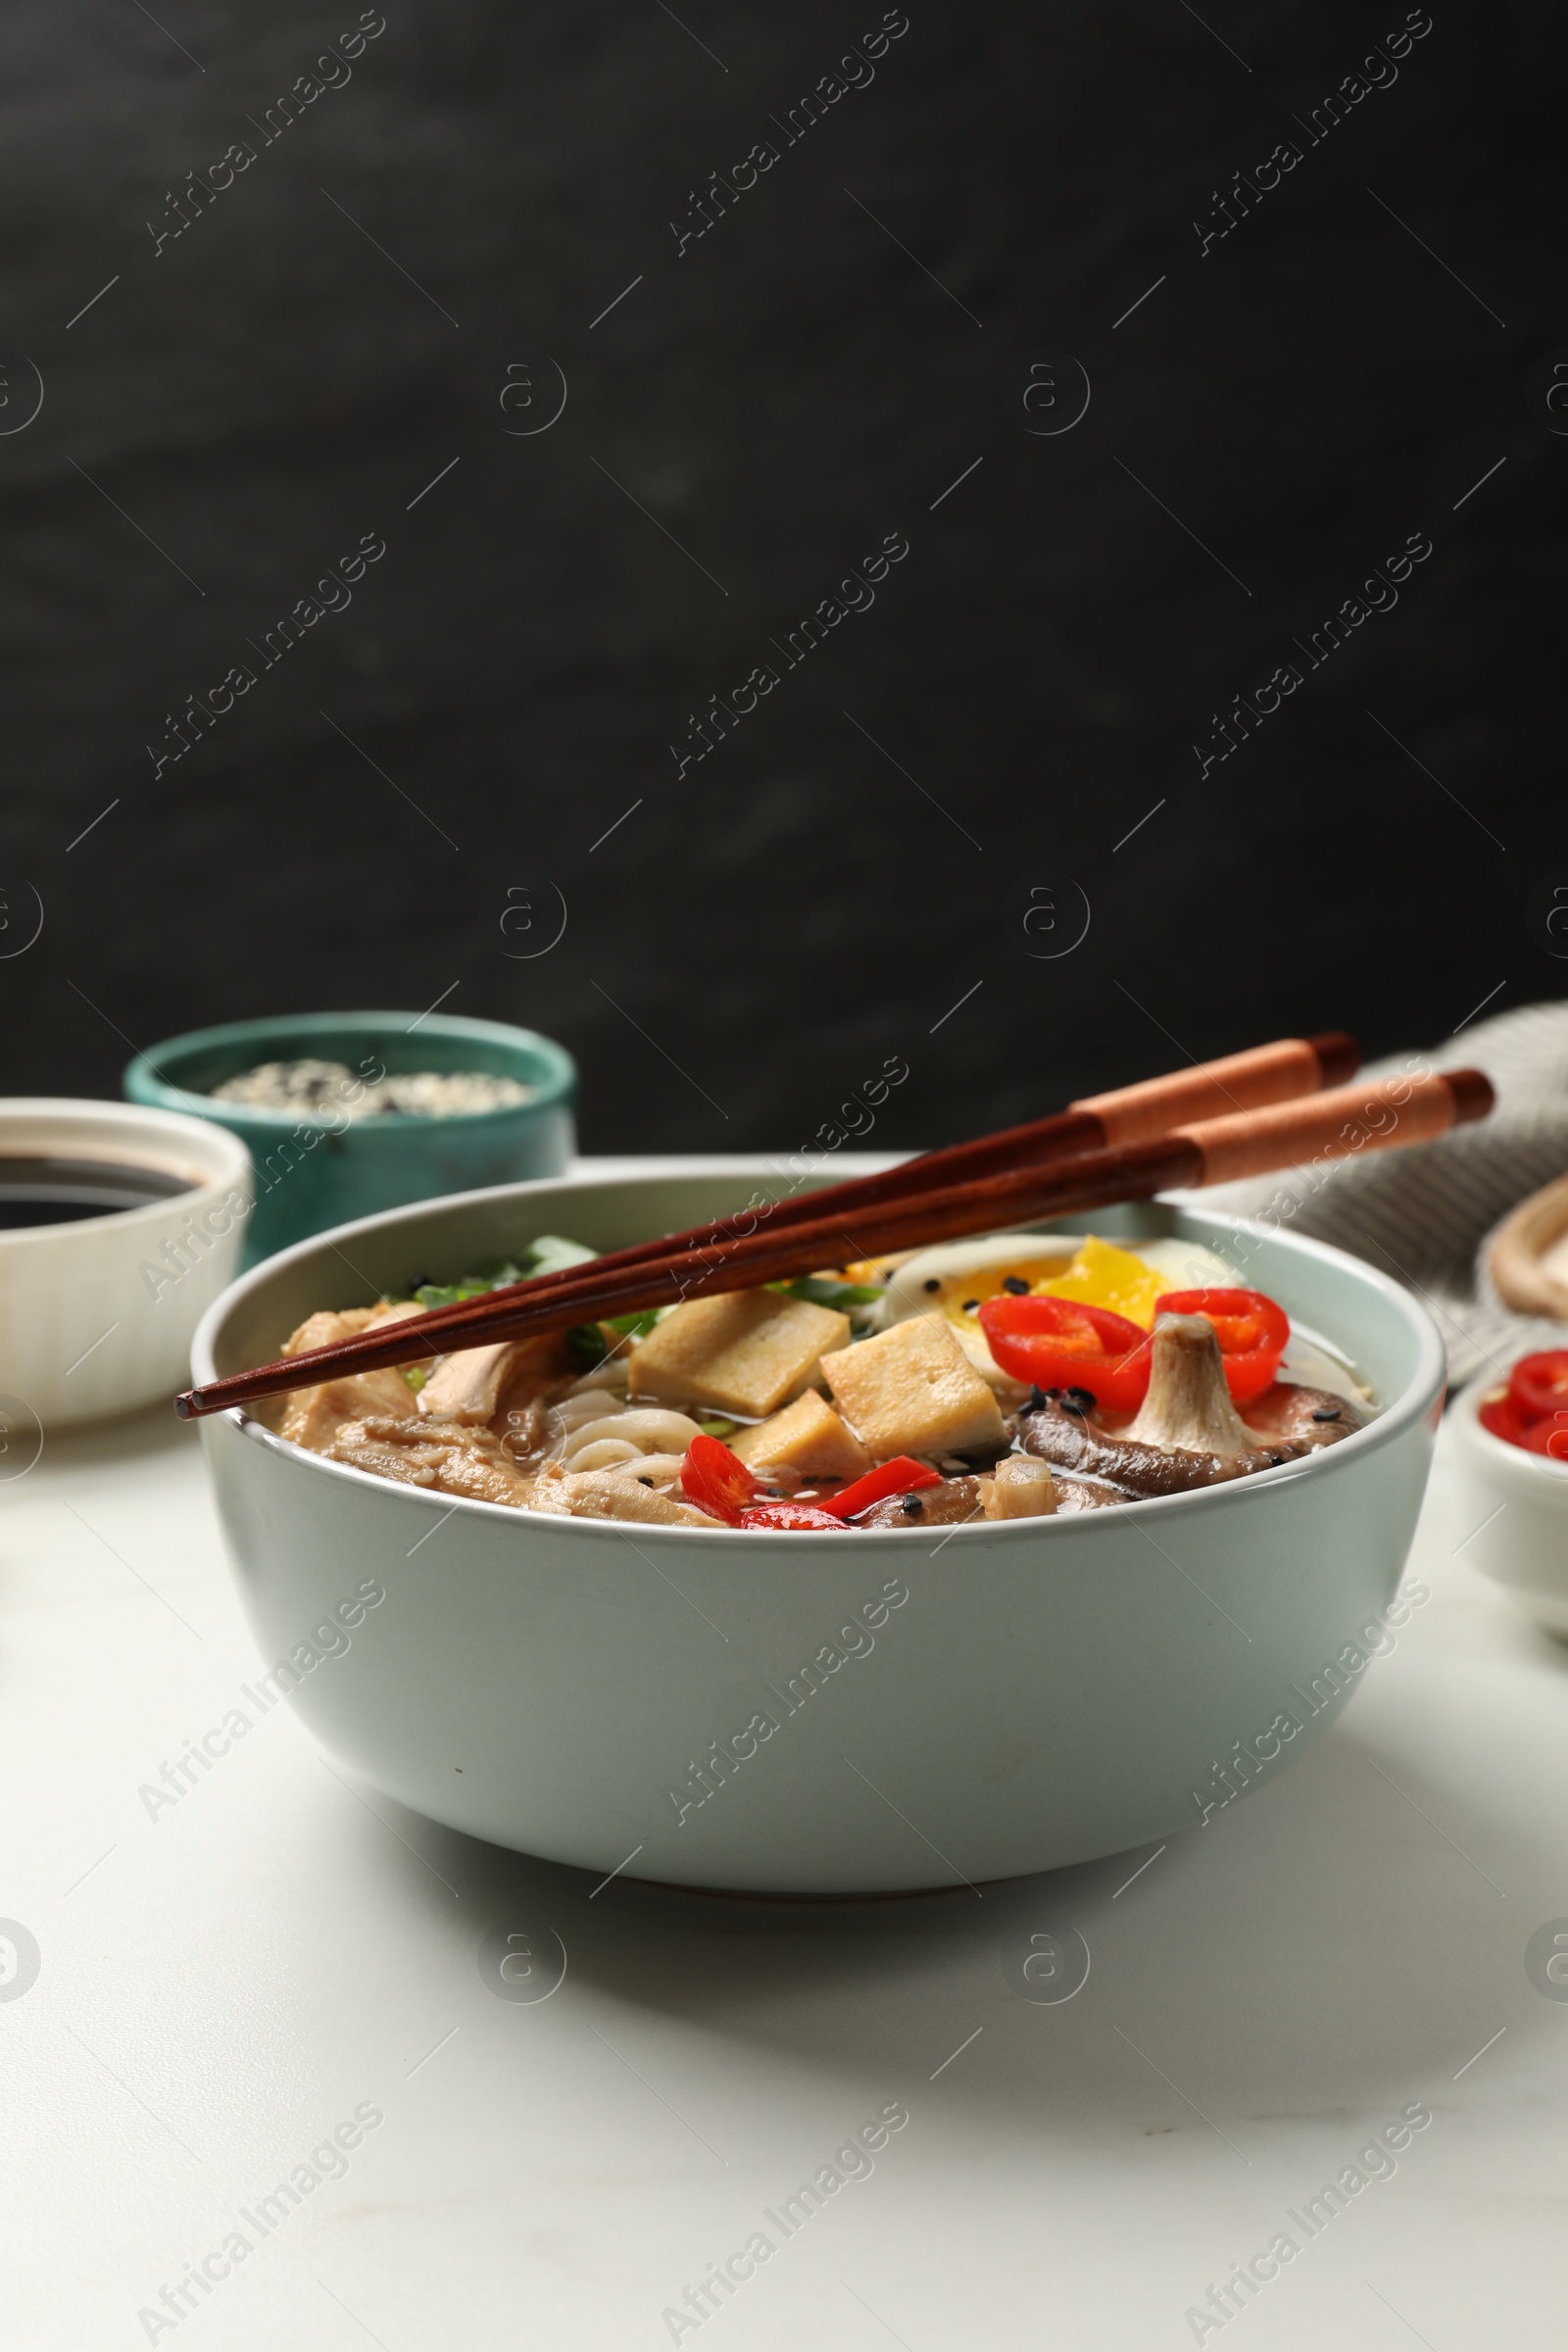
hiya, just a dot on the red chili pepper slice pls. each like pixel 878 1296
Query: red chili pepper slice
pixel 1538 1384
pixel 790 1515
pixel 901 1476
pixel 1066 1343
pixel 1499 1414
pixel 716 1480
pixel 1548 1436
pixel 1253 1331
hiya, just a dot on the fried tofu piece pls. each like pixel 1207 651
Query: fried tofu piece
pixel 808 1436
pixel 746 1352
pixel 913 1390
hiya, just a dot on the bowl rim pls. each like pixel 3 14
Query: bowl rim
pixel 115 1117
pixel 143 1083
pixel 1549 1475
pixel 1421 1397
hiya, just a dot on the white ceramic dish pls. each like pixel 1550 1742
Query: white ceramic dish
pixel 96 1315
pixel 1000 1700
pixel 1514 1506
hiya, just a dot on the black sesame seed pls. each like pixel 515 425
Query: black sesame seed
pixel 1017 1284
pixel 1328 1416
pixel 971 1306
pixel 911 1506
pixel 931 1285
pixel 1037 1398
pixel 1079 1400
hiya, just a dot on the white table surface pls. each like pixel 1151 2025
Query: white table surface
pixel 225 1979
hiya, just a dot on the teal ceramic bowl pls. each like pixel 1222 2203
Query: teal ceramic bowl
pixel 319 1171
pixel 815 1714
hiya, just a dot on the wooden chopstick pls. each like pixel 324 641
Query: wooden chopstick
pixel 1334 1124
pixel 1130 1115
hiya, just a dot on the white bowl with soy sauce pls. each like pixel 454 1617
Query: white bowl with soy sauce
pixel 119 1227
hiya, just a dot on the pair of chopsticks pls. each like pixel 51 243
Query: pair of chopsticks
pixel 1245 1115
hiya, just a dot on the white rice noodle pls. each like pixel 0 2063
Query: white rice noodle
pixel 604 1453
pixel 643 1430
pixel 581 1406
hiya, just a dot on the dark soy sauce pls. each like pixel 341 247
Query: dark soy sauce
pixel 58 1192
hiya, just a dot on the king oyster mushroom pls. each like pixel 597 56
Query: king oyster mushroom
pixel 1188 1433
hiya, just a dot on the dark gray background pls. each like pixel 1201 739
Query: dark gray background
pixel 780 396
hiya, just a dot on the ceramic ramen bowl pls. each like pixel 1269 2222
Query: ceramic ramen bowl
pixel 799 1713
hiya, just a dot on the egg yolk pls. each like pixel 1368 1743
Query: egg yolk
pixel 1101 1275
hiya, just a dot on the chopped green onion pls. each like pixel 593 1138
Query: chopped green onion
pixel 636 1326
pixel 820 1291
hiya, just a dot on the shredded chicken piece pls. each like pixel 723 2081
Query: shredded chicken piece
pixel 610 1495
pixel 380 1459
pixel 448 1456
pixel 467 1387
pixel 312 1418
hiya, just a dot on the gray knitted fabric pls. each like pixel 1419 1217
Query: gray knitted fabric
pixel 1425 1215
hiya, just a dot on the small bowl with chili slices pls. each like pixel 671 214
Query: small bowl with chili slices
pixel 1510 1439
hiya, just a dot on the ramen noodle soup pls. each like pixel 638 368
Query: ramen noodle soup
pixel 1012 1377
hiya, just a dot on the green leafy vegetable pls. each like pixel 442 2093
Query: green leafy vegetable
pixel 819 1290
pixel 553 1254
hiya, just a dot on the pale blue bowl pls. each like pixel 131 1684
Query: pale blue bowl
pixel 1043 1693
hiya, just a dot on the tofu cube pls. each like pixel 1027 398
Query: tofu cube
pixel 808 1436
pixel 913 1390
pixel 746 1352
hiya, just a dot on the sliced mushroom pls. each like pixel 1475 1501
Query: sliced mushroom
pixel 1311 1416
pixel 1085 1495
pixel 950 1504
